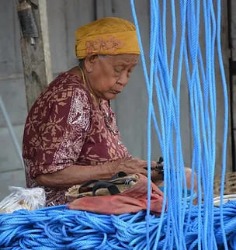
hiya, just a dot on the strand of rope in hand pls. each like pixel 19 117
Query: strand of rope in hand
pixel 60 228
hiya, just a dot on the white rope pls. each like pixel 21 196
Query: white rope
pixel 11 131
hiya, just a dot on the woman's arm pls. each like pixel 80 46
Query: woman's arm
pixel 75 174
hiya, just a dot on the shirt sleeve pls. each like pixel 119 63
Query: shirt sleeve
pixel 62 133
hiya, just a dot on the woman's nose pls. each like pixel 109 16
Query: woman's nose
pixel 123 79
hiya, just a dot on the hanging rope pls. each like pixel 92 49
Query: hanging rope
pixel 182 63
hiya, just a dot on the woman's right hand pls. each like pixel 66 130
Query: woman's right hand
pixel 132 166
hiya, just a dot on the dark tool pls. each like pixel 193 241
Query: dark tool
pixel 159 167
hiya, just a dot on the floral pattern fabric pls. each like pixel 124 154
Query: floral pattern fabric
pixel 65 127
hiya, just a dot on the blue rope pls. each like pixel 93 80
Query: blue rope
pixel 224 147
pixel 149 84
pixel 61 228
pixel 165 86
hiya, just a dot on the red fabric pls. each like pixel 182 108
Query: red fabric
pixel 130 201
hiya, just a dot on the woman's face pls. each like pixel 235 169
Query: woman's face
pixel 108 75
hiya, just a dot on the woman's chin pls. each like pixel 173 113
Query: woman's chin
pixel 109 96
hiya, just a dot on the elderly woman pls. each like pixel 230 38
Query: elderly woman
pixel 70 134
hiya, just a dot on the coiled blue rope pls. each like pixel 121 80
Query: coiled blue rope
pixel 60 228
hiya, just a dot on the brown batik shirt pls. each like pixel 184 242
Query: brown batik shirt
pixel 65 127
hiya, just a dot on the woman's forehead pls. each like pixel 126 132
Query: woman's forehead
pixel 124 58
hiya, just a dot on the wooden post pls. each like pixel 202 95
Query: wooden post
pixel 34 47
pixel 232 76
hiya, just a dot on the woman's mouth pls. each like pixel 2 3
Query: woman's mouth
pixel 115 92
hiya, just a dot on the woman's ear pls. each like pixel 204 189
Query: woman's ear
pixel 89 62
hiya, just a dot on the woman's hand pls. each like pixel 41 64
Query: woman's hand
pixel 134 166
pixel 131 166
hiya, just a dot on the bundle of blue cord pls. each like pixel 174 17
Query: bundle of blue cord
pixel 60 228
pixel 184 51
pixel 183 225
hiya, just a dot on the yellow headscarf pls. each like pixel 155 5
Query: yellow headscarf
pixel 106 36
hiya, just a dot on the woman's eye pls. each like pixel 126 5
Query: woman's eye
pixel 118 69
pixel 129 72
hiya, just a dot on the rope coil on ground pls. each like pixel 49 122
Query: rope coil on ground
pixel 60 228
